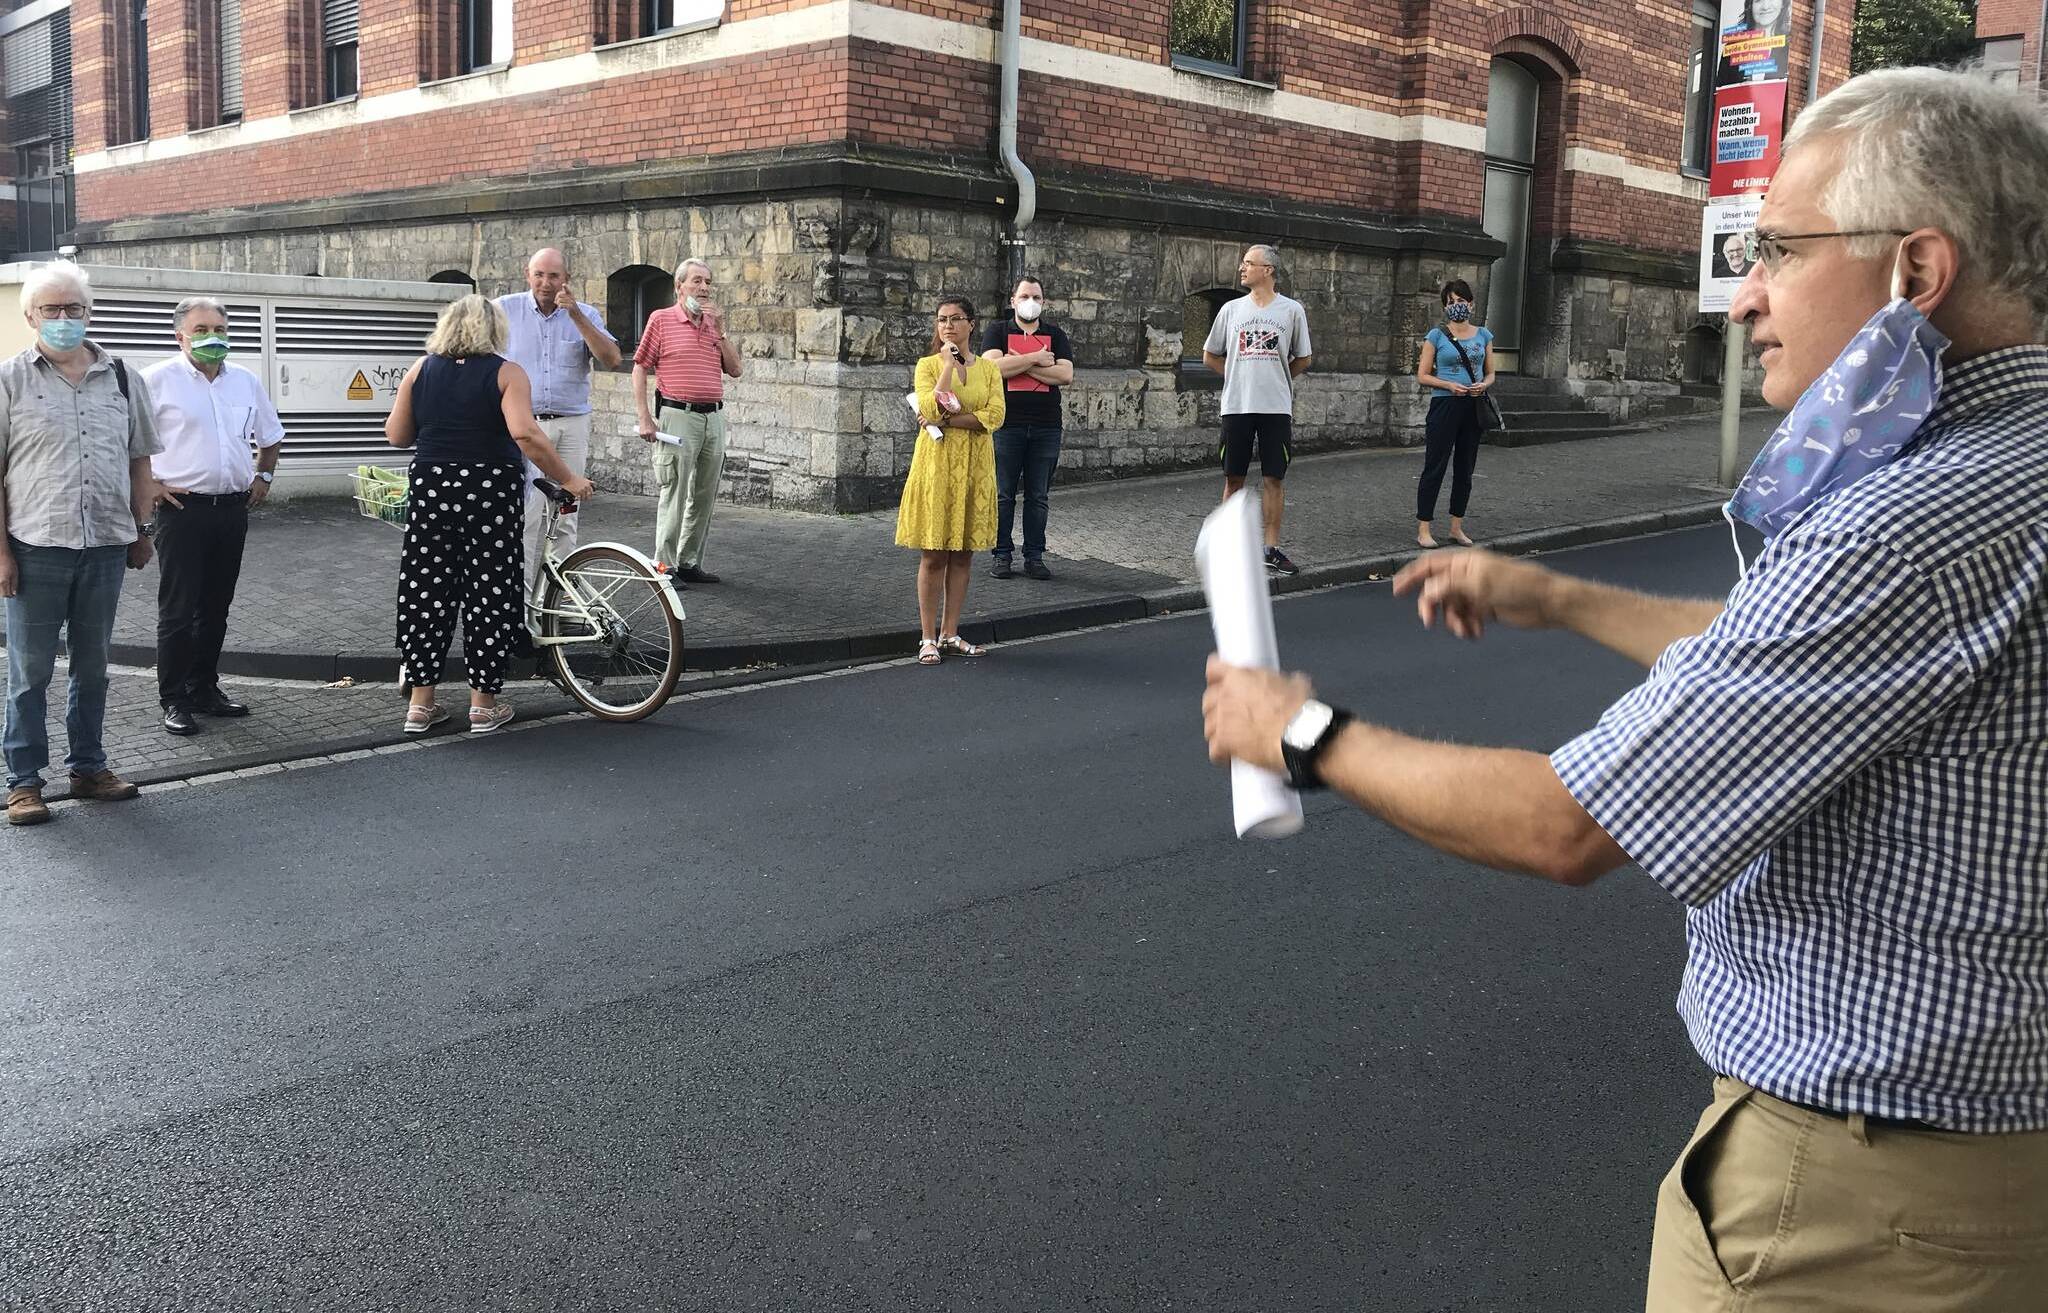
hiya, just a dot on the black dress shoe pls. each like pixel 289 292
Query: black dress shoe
pixel 1035 568
pixel 999 568
pixel 220 704
pixel 690 574
pixel 180 721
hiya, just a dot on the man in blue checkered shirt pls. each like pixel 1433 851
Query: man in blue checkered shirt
pixel 1842 770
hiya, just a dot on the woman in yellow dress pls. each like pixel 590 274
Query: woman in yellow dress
pixel 949 501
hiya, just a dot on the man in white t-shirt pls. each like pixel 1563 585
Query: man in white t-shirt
pixel 1259 343
pixel 209 414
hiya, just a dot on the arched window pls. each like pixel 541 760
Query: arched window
pixel 453 276
pixel 632 294
pixel 1702 364
pixel 1198 315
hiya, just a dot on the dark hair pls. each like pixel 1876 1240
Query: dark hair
pixel 1457 287
pixel 966 307
pixel 1032 279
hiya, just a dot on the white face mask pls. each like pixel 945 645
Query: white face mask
pixel 1029 309
pixel 693 305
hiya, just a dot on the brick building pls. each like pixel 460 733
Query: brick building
pixel 837 161
pixel 2009 39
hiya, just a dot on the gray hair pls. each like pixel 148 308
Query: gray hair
pixel 683 269
pixel 1267 253
pixel 1937 148
pixel 55 274
pixel 191 303
pixel 471 326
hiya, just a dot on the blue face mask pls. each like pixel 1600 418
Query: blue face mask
pixel 1457 312
pixel 62 334
pixel 1859 416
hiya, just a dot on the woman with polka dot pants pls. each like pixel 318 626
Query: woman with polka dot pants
pixel 467 413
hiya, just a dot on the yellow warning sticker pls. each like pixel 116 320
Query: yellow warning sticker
pixel 359 388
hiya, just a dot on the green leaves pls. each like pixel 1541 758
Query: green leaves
pixel 1890 33
pixel 1206 29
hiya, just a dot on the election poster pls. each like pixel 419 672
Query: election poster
pixel 1749 129
pixel 1755 40
pixel 1724 262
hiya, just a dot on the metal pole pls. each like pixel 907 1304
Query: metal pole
pixel 1820 28
pixel 1733 342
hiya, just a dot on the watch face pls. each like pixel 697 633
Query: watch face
pixel 1307 726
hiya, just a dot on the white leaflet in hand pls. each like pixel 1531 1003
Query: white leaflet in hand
pixel 1229 552
pixel 670 439
pixel 937 434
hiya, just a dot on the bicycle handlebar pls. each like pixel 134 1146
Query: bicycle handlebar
pixel 554 492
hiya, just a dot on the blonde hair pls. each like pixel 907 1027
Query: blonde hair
pixel 472 326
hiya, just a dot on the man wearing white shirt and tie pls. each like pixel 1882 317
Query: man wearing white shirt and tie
pixel 555 338
pixel 209 414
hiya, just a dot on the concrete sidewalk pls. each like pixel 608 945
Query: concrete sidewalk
pixel 316 597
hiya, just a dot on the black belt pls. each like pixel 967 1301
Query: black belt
pixel 1869 1119
pixel 701 407
pixel 212 498
pixel 553 414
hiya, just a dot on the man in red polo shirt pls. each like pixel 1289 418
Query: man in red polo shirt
pixel 686 349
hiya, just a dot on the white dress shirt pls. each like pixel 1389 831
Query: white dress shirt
pixel 207 426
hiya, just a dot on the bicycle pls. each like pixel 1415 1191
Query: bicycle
pixel 608 621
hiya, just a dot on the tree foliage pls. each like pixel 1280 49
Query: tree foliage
pixel 1890 33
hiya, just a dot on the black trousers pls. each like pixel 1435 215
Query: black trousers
pixel 464 557
pixel 1451 438
pixel 199 562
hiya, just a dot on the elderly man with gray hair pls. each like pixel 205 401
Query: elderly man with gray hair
pixel 76 435
pixel 1841 769
pixel 221 438
pixel 686 350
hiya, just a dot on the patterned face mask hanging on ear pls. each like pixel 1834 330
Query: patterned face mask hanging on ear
pixel 1858 416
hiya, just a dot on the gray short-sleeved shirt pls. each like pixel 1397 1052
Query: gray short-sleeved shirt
pixel 64 451
pixel 1257 344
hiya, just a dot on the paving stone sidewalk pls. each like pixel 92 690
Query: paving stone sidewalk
pixel 316 591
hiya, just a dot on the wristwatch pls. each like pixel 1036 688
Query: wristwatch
pixel 268 476
pixel 1307 736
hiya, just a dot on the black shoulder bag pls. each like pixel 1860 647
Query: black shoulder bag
pixel 1490 417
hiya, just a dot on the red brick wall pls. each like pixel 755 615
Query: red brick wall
pixel 1615 70
pixel 2014 18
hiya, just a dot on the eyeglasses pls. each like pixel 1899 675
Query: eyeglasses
pixel 69 310
pixel 1769 247
pixel 954 319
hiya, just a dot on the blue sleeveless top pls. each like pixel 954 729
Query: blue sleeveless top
pixel 457 413
pixel 1448 366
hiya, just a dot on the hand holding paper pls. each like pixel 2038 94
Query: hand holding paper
pixel 1228 551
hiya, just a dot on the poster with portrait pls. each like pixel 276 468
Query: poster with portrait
pixel 1755 42
pixel 1749 130
pixel 1723 265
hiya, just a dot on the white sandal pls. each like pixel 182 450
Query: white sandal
pixel 928 652
pixel 959 646
pixel 418 719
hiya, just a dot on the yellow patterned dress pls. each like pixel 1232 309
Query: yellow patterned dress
pixel 949 501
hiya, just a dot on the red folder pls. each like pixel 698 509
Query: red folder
pixel 1023 344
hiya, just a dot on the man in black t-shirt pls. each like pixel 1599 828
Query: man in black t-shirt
pixel 1036 360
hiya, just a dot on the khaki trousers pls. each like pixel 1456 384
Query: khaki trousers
pixel 1774 1207
pixel 571 436
pixel 688 479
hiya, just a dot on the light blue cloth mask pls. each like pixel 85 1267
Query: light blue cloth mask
pixel 1859 416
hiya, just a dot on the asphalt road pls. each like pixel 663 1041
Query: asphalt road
pixel 901 989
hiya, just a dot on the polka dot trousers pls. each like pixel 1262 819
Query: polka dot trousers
pixel 463 556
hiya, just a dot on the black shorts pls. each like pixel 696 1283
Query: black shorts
pixel 1274 435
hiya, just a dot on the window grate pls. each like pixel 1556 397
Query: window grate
pixel 326 330
pixel 142 325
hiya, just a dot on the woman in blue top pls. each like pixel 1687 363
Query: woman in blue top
pixel 1457 367
pixel 467 414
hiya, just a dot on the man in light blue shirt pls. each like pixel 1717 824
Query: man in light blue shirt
pixel 555 338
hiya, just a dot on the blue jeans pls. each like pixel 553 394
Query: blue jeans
pixel 60 589
pixel 1030 452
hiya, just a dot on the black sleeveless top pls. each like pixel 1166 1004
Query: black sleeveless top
pixel 457 413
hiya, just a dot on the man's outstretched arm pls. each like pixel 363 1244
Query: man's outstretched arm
pixel 1469 590
pixel 1500 807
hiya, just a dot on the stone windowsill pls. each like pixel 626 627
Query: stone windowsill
pixel 341 110
pixel 483 72
pixel 1211 71
pixel 619 47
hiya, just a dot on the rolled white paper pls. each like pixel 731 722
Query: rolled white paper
pixel 1228 551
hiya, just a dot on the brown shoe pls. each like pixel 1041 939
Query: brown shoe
pixel 25 806
pixel 102 786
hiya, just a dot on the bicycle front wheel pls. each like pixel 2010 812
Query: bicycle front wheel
pixel 626 648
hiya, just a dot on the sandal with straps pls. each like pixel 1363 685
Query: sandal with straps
pixel 928 651
pixel 959 646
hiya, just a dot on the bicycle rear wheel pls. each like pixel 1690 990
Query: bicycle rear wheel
pixel 629 654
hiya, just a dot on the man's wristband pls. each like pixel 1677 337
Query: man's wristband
pixel 1306 738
